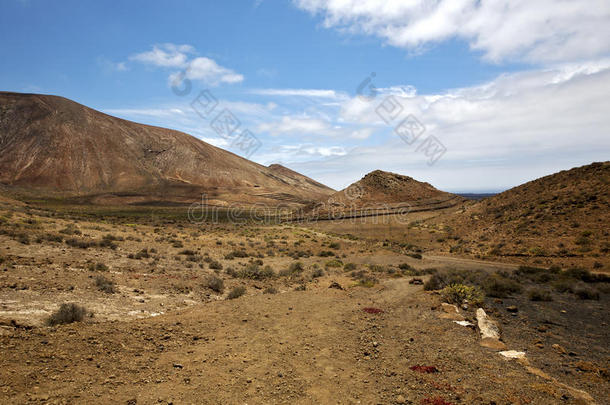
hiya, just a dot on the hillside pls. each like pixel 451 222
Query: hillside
pixel 565 214
pixel 385 192
pixel 52 146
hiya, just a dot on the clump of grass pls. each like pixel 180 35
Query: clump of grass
pixel 539 294
pixel 415 255
pixel 216 284
pixel 236 292
pixel 334 245
pixel 460 294
pixel 300 287
pixel 105 285
pixel 366 282
pixel 67 313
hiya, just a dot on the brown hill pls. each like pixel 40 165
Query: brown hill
pixel 382 192
pixel 52 146
pixel 565 214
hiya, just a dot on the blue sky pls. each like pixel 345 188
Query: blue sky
pixel 507 96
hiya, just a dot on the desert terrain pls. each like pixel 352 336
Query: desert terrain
pixel 387 292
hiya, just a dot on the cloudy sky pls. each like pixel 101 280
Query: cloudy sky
pixel 469 95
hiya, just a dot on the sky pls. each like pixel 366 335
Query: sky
pixel 468 95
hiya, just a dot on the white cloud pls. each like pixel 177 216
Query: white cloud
pixel 165 55
pixel 538 31
pixel 313 93
pixel 200 68
pixel 498 134
pixel 299 126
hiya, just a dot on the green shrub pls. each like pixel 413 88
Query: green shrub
pixel 67 313
pixel 333 263
pixel 460 293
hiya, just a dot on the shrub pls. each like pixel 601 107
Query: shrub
pixel 317 273
pixel 187 252
pixel 500 287
pixel 460 293
pixel 334 245
pixel 215 265
pixel 67 313
pixel 98 267
pixel 236 292
pixel 295 268
pixel 366 281
pixel 300 287
pixel 349 266
pixel 564 285
pixel 253 271
pixel 236 253
pixel 215 284
pixel 105 285
pixel 142 254
pixel 334 263
pixel 586 293
pixel 579 274
pixel 538 294
pixel 326 253
pixel 404 266
pixel 415 255
pixel 270 290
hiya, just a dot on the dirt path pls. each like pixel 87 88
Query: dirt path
pixel 316 346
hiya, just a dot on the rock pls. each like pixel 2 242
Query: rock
pixel 463 323
pixel 587 366
pixel 401 399
pixel 512 308
pixel 488 328
pixel 492 343
pixel 335 285
pixel 559 349
pixel 449 308
pixel 416 281
pixel 178 366
pixel 512 354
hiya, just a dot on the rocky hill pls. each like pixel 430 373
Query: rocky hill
pixel 565 214
pixel 52 146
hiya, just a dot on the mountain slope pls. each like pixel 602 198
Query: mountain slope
pixel 52 145
pixel 565 214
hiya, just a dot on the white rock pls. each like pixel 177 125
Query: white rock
pixel 488 328
pixel 463 323
pixel 512 354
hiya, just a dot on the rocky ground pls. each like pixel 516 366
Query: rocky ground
pixel 167 335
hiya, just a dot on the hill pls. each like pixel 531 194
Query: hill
pixel 51 146
pixel 565 214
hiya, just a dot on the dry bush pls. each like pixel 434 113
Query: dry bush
pixel 105 285
pixel 67 313
pixel 236 292
pixel 215 284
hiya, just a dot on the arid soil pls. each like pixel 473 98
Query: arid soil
pixel 168 334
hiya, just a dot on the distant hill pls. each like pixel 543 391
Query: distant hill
pixel 51 146
pixel 385 192
pixel 561 215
